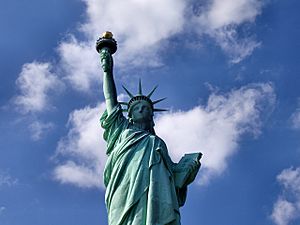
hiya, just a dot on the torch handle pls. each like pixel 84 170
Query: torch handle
pixel 106 59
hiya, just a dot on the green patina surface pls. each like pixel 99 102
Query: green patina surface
pixel 143 185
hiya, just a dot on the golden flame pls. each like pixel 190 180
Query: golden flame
pixel 107 34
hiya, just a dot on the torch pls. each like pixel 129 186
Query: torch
pixel 106 46
pixel 106 42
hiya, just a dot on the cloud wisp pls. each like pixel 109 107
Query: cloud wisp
pixel 214 129
pixel 6 180
pixel 38 129
pixel 295 117
pixel 221 20
pixel 34 83
pixel 287 207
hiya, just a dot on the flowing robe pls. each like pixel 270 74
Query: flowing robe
pixel 138 175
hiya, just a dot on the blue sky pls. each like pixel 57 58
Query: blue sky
pixel 230 72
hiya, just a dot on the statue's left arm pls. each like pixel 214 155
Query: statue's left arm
pixel 182 175
pixel 185 171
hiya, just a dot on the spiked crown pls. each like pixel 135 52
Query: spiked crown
pixel 141 96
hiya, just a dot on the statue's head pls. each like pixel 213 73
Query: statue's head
pixel 140 108
pixel 141 111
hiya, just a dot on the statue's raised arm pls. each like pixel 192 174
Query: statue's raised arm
pixel 106 46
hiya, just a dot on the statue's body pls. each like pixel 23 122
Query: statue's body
pixel 143 185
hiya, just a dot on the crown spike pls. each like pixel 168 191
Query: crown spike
pixel 129 94
pixel 149 95
pixel 140 87
pixel 160 110
pixel 157 101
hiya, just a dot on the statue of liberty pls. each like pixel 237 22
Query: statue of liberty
pixel 143 185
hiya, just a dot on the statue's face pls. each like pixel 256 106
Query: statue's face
pixel 141 112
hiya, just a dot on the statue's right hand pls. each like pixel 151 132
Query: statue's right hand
pixel 106 60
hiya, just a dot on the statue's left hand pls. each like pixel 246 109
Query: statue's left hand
pixel 193 171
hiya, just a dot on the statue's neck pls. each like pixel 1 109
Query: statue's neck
pixel 143 126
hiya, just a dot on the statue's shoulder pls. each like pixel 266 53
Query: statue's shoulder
pixel 160 142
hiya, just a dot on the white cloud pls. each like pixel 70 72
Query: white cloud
pixel 38 129
pixel 287 207
pixel 83 148
pixel 80 63
pixel 81 176
pixel 137 24
pixel 283 212
pixel 290 179
pixel 142 36
pixel 220 19
pixel 35 82
pixel 143 28
pixel 222 13
pixel 215 129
